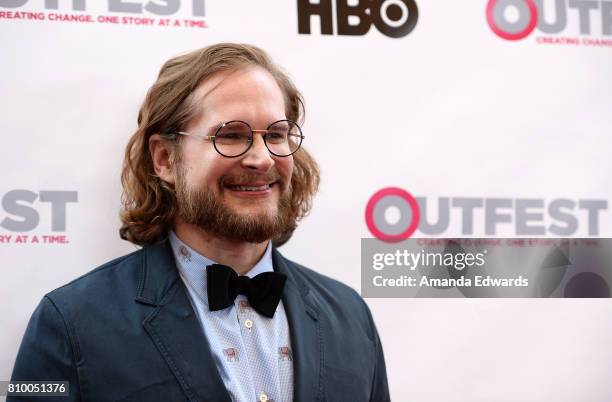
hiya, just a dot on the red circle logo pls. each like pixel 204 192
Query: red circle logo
pixel 371 220
pixel 497 26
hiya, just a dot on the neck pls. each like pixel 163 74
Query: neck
pixel 241 256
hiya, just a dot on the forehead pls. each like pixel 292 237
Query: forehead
pixel 249 94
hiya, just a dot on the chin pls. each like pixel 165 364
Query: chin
pixel 252 211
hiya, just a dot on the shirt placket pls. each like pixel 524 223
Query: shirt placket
pixel 250 324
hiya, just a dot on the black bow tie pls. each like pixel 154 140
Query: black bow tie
pixel 263 291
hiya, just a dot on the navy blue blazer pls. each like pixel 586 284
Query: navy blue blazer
pixel 126 331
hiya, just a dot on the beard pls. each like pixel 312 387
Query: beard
pixel 206 210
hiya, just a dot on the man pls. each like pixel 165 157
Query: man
pixel 215 179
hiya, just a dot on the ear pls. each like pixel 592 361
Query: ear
pixel 161 152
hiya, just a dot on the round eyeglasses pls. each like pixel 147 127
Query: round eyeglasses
pixel 235 138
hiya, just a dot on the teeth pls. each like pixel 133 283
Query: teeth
pixel 251 188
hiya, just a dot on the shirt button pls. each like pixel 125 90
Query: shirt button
pixel 263 397
pixel 249 324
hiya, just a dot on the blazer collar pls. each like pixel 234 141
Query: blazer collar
pixel 158 273
pixel 174 328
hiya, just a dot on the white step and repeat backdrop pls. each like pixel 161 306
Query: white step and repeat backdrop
pixel 495 101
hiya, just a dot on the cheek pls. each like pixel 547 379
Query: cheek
pixel 285 168
pixel 203 169
pixel 211 173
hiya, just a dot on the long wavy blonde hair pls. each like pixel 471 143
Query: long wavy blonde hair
pixel 148 203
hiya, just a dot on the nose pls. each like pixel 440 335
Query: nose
pixel 258 157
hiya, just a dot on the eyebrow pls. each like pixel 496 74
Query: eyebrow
pixel 213 129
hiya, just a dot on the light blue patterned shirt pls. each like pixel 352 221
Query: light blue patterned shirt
pixel 252 352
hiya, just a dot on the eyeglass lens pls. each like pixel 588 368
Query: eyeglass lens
pixel 234 138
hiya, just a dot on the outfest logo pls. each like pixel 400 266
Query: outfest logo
pixel 515 20
pixel 33 217
pixel 528 217
pixel 166 13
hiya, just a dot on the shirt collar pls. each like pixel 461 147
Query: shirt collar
pixel 192 265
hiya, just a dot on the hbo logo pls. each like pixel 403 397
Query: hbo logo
pixel 393 18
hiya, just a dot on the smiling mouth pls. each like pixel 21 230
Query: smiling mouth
pixel 247 187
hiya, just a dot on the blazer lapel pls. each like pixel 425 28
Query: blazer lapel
pixel 305 329
pixel 174 327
